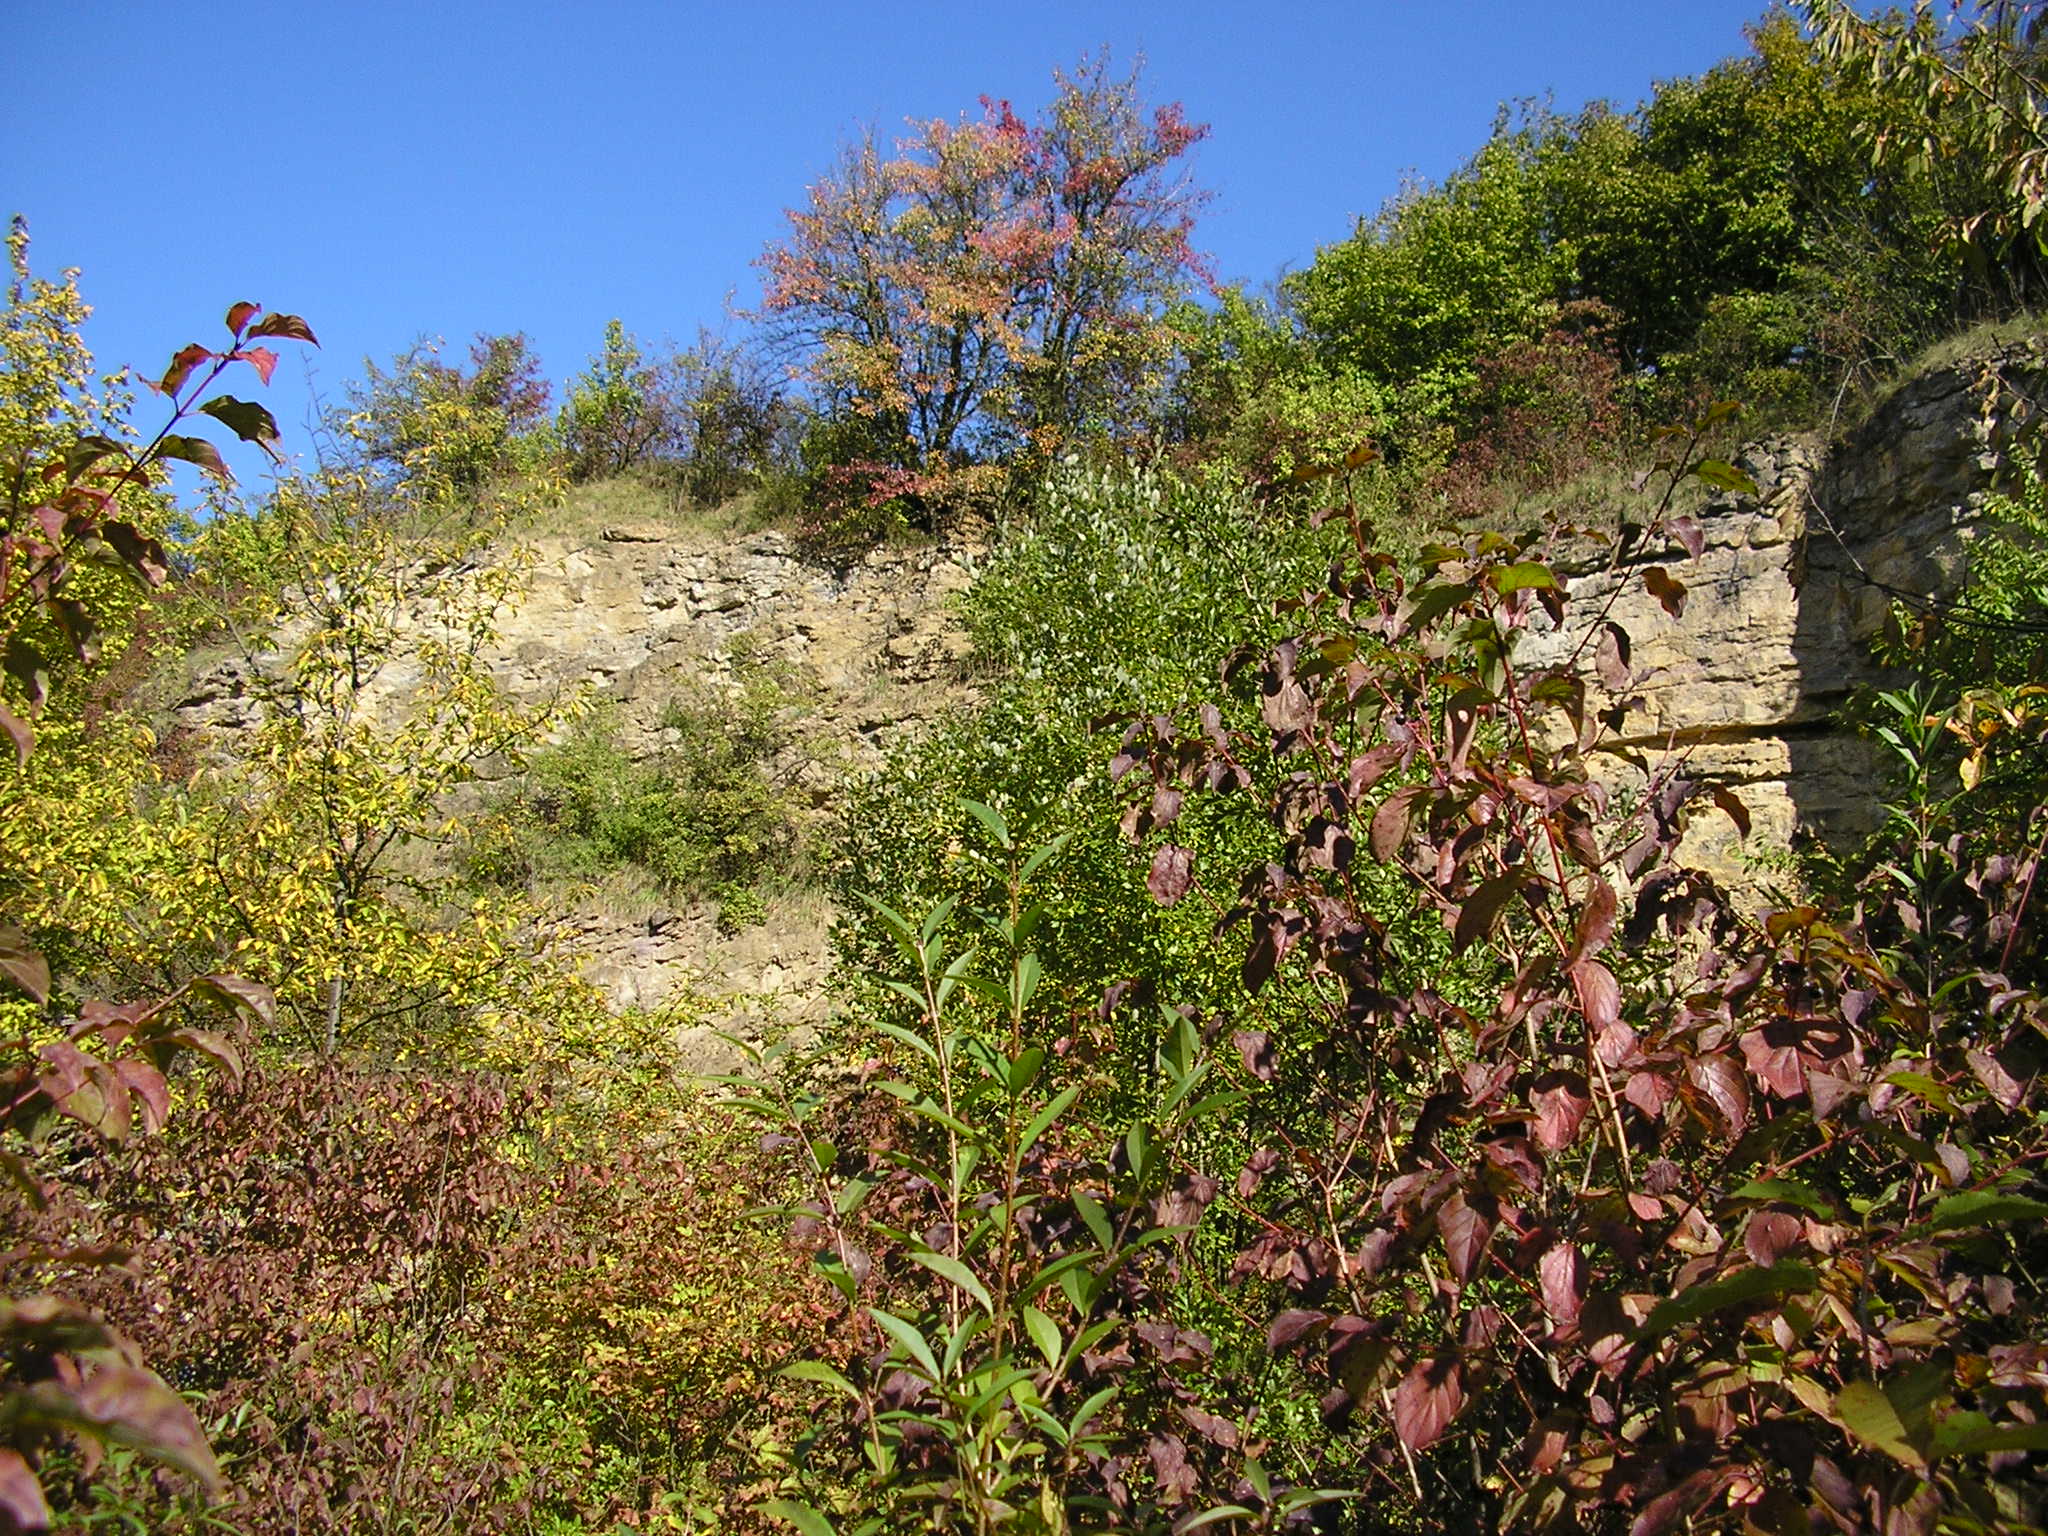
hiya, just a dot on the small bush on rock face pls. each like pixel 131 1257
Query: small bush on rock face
pixel 701 815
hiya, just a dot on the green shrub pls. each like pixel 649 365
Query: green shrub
pixel 701 816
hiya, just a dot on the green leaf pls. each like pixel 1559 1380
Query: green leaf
pixel 1864 1411
pixel 1432 602
pixel 909 1037
pixel 1040 854
pixel 818 1370
pixel 802 1516
pixel 1925 1087
pixel 954 1272
pixel 1097 1222
pixel 1983 1208
pixel 195 450
pixel 1738 1289
pixel 989 817
pixel 1045 1334
pixel 1215 1515
pixel 1786 1192
pixel 1522 574
pixel 1723 476
pixel 1971 1434
pixel 910 1339
pixel 1088 1410
pixel 1042 1121
pixel 249 421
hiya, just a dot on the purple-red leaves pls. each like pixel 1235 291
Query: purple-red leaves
pixel 1599 994
pixel 1429 1397
pixel 1688 533
pixel 134 1407
pixel 241 314
pixel 1611 657
pixel 182 364
pixel 290 327
pixel 1723 1083
pixel 1256 1047
pixel 1561 1275
pixel 1667 589
pixel 1466 1227
pixel 1560 1101
pixel 262 359
pixel 1596 923
pixel 22 964
pixel 1390 821
pixel 1481 910
pixel 1172 872
pixel 21 1496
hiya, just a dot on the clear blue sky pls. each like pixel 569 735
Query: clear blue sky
pixel 447 166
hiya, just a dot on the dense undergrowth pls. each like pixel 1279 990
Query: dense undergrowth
pixel 1277 1084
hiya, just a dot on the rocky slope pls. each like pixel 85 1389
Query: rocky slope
pixel 641 611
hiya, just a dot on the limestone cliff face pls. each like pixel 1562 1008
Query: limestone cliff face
pixel 1792 587
pixel 640 612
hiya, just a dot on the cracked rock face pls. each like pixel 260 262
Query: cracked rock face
pixel 1782 606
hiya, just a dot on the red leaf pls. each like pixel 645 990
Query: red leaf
pixel 1172 871
pixel 1826 1091
pixel 139 1410
pixel 1687 531
pixel 1777 1066
pixel 1561 1272
pixel 1369 767
pixel 1599 994
pixel 239 993
pixel 1596 923
pixel 1737 812
pixel 1294 1325
pixel 1428 1398
pixel 1390 821
pixel 21 1496
pixel 1482 908
pixel 138 551
pixel 1649 1092
pixel 1256 1047
pixel 1770 1234
pixel 1665 1511
pixel 1723 1082
pixel 1998 1082
pixel 1667 589
pixel 241 314
pixel 290 326
pixel 147 1086
pixel 1610 656
pixel 1466 1228
pixel 1561 1101
pixel 22 964
pixel 187 359
pixel 262 359
pixel 18 732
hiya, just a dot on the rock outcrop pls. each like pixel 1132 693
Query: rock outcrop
pixel 641 612
pixel 1782 604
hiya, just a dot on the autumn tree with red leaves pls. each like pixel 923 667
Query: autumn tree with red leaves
pixel 998 284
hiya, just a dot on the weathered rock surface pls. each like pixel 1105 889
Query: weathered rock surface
pixel 642 612
pixel 1782 605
